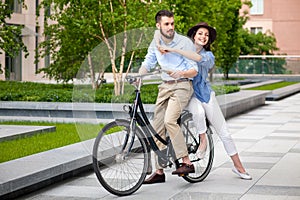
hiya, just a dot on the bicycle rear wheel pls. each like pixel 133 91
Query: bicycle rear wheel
pixel 120 172
pixel 204 165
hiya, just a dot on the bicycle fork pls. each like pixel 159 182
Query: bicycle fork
pixel 128 142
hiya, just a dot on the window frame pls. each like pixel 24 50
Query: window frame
pixel 257 7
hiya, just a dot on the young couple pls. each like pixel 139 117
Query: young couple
pixel 183 60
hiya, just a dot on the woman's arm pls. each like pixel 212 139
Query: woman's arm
pixel 188 54
pixel 163 49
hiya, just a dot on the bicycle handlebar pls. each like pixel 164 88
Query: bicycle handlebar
pixel 132 79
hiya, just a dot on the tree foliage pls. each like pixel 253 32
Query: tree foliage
pixel 83 25
pixel 258 44
pixel 226 18
pixel 10 36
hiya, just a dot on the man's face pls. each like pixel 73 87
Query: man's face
pixel 166 27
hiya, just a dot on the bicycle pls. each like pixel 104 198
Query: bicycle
pixel 122 149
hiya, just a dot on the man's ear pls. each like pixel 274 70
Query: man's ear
pixel 158 25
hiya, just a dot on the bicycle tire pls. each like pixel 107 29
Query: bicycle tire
pixel 120 175
pixel 202 166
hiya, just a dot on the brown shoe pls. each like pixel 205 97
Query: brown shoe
pixel 184 169
pixel 155 178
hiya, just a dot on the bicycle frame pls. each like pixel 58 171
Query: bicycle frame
pixel 149 133
pixel 142 120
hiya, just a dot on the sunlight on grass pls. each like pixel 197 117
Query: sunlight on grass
pixel 65 134
pixel 273 86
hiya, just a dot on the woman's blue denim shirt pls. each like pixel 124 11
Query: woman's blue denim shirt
pixel 201 85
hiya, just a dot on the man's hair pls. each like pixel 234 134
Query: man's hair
pixel 163 13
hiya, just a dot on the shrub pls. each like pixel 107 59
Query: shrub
pixel 40 92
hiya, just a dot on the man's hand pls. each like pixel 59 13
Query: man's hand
pixel 177 74
pixel 142 71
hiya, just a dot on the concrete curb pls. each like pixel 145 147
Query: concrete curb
pixel 95 112
pixel 283 92
pixel 30 173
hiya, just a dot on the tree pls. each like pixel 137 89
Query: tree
pixel 258 44
pixel 82 25
pixel 225 17
pixel 10 36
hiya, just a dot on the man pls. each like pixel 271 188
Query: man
pixel 174 93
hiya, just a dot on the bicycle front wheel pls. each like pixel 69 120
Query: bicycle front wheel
pixel 119 162
pixel 202 165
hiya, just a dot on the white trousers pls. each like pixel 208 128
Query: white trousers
pixel 214 114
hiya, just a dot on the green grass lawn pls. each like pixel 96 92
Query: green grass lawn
pixel 273 86
pixel 65 134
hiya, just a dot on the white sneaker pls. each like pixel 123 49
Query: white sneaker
pixel 245 175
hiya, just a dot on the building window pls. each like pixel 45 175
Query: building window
pixel 257 7
pixel 14 5
pixel 256 30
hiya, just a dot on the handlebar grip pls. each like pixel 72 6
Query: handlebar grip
pixel 131 79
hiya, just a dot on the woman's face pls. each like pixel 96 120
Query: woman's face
pixel 202 36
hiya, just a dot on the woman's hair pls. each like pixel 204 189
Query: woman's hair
pixel 163 13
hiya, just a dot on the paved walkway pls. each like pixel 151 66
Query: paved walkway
pixel 268 139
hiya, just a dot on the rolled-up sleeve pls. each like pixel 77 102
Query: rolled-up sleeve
pixel 208 59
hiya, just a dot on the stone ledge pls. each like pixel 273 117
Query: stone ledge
pixel 93 112
pixel 283 92
pixel 32 172
pixel 240 102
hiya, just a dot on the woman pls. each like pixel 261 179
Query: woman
pixel 204 103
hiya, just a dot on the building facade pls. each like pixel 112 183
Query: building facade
pixel 21 68
pixel 280 17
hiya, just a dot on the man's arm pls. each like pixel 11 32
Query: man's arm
pixel 150 60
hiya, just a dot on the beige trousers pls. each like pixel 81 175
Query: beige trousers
pixel 171 100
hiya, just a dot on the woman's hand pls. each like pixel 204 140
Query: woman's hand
pixel 164 49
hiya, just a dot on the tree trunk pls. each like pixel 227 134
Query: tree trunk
pixel 226 77
pixel 92 72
